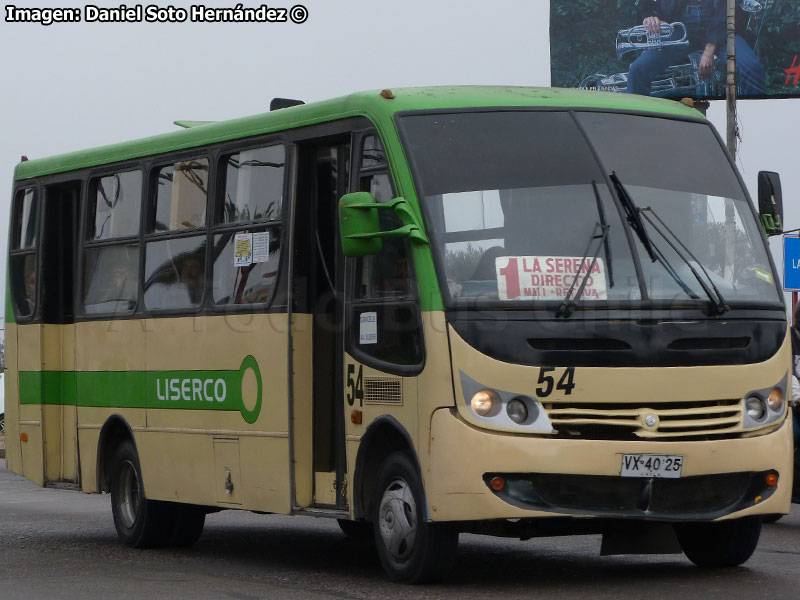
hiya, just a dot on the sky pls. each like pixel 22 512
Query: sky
pixel 72 86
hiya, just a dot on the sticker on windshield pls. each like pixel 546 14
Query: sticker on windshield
pixel 549 277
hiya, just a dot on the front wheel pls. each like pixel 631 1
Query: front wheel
pixel 723 544
pixel 411 549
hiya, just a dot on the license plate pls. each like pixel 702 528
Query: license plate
pixel 651 465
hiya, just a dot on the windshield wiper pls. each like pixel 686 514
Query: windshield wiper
pixel 568 304
pixel 635 220
pixel 632 213
pixel 606 245
pixel 717 300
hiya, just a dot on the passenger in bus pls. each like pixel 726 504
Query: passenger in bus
pixel 191 274
pixel 122 279
pixel 30 287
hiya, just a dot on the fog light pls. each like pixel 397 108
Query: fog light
pixel 755 408
pixel 484 401
pixel 775 399
pixel 771 480
pixel 517 411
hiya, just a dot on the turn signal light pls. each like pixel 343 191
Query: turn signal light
pixel 23 436
pixel 355 417
pixel 771 480
pixel 497 483
pixel 775 399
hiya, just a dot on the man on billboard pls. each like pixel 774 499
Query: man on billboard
pixel 705 22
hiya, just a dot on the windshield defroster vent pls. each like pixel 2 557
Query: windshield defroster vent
pixel 723 343
pixel 577 344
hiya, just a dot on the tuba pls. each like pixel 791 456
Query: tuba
pixel 755 6
pixel 639 38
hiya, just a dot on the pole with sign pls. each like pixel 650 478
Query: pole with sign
pixel 791 263
pixel 791 267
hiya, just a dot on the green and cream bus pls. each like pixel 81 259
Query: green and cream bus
pixel 510 311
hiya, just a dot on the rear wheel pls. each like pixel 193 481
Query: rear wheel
pixel 140 523
pixel 411 549
pixel 724 544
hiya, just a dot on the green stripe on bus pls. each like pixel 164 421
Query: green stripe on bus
pixel 188 390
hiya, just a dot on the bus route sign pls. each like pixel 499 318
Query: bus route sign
pixel 791 263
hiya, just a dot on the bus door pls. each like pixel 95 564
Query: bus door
pixel 384 349
pixel 57 298
pixel 322 176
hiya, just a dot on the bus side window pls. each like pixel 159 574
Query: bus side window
pixel 182 190
pixel 24 252
pixel 386 309
pixel 111 271
pixel 175 264
pixel 249 219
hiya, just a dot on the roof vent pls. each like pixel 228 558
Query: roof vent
pixel 279 103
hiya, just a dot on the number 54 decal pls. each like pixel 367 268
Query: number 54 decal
pixel 565 382
pixel 355 389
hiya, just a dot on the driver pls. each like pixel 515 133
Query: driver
pixel 705 22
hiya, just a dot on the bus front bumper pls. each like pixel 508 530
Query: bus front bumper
pixel 544 477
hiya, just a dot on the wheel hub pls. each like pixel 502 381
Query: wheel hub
pixel 397 519
pixel 128 494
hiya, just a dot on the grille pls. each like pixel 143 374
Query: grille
pixel 383 390
pixel 669 420
pixel 685 498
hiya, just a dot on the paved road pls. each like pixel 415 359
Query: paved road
pixel 61 544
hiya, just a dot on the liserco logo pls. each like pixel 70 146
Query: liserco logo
pixel 209 390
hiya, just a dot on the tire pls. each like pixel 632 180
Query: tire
pixel 356 530
pixel 411 549
pixel 724 544
pixel 2 423
pixel 140 523
pixel 187 525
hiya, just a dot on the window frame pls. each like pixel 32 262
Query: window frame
pixel 19 190
pixel 90 178
pixel 217 227
pixel 151 195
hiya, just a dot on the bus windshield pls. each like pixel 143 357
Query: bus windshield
pixel 517 200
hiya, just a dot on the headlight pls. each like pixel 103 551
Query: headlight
pixel 483 402
pixel 517 411
pixel 775 400
pixel 755 408
pixel 495 408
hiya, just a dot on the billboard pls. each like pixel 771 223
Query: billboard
pixel 675 48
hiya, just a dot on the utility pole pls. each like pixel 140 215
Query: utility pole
pixel 730 99
pixel 730 86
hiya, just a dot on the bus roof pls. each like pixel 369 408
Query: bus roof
pixel 370 104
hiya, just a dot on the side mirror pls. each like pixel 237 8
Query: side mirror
pixel 770 202
pixel 360 228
